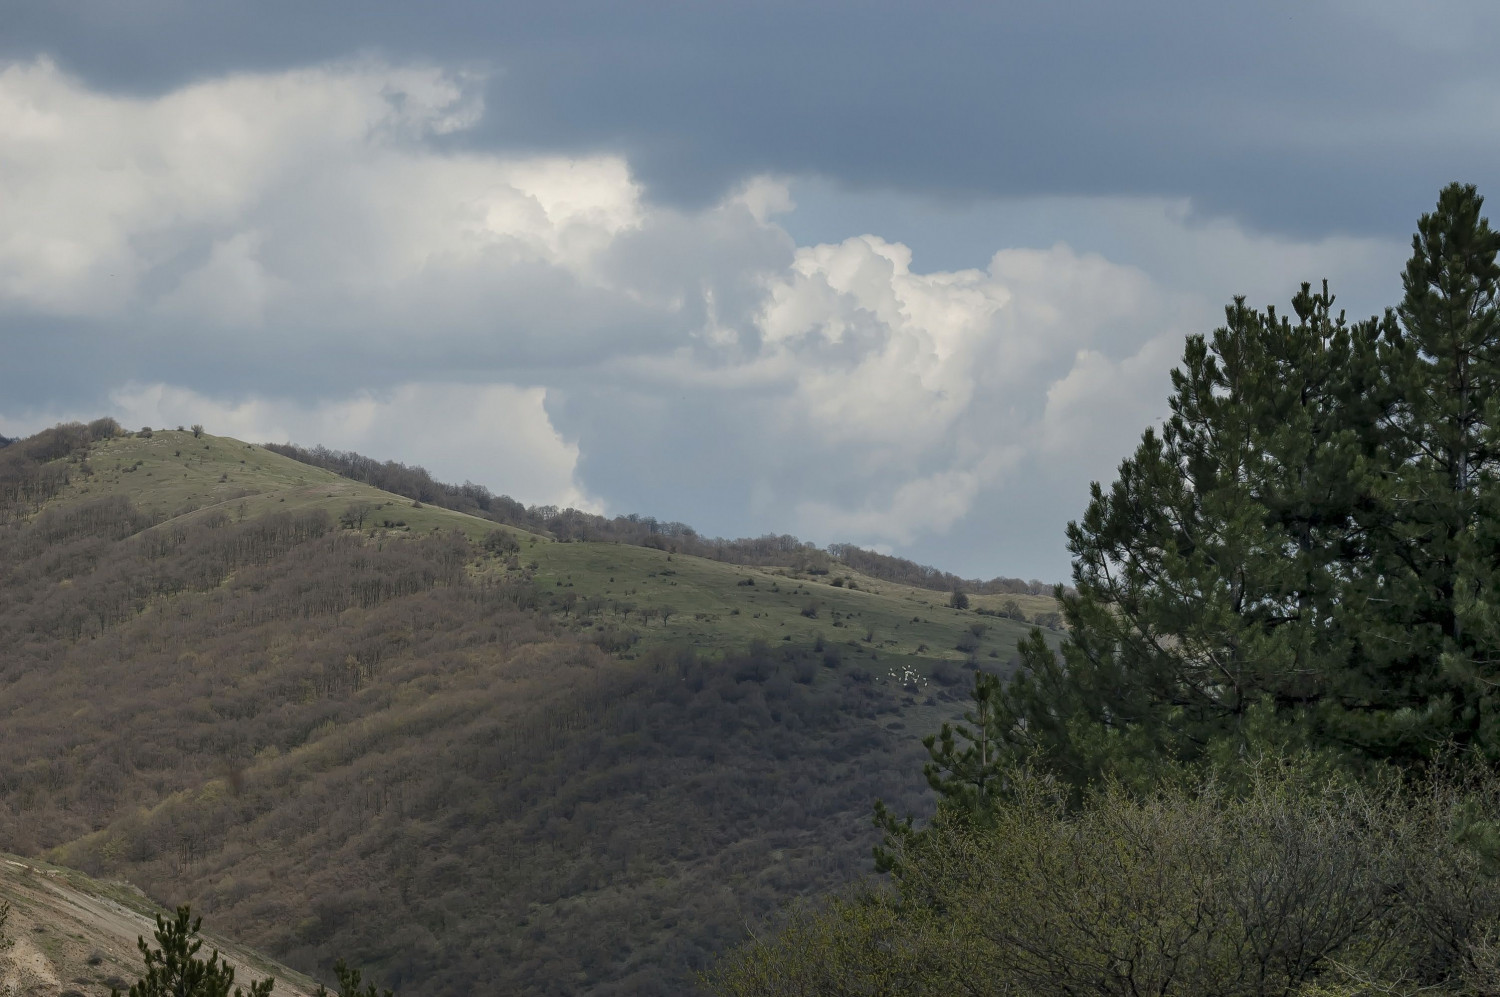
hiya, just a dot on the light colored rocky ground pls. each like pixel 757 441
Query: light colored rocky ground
pixel 70 936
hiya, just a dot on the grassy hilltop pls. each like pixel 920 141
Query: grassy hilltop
pixel 713 605
pixel 468 756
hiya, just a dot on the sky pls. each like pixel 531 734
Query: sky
pixel 903 275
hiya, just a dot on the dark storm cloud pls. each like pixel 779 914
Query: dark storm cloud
pixel 1304 117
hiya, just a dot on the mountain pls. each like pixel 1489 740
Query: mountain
pixel 467 756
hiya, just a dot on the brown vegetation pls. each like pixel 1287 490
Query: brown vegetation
pixel 338 745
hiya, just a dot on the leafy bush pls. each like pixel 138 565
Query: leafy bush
pixel 1299 885
pixel 500 542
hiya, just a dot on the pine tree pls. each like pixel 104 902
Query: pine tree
pixel 1307 554
pixel 174 969
pixel 351 984
pixel 1431 585
pixel 1207 578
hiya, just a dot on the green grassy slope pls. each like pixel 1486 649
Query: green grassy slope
pixel 172 474
pixel 884 627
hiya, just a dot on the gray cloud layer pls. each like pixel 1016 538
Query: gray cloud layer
pixel 1300 116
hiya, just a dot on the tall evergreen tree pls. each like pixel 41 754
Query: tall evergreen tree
pixel 1307 553
pixel 1431 583
pixel 1206 578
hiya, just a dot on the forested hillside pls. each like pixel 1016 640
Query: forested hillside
pixel 467 757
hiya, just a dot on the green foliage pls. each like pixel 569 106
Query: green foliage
pixel 1433 584
pixel 4 917
pixel 1298 884
pixel 1306 556
pixel 349 984
pixel 173 969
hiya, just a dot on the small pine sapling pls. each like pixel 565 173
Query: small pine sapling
pixel 174 969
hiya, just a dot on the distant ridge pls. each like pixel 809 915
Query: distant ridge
pixel 779 550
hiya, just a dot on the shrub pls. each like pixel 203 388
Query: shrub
pixel 946 674
pixel 499 543
pixel 1297 885
pixel 104 429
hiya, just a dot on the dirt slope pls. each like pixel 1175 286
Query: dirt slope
pixel 72 935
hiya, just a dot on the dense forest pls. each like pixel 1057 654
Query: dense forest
pixel 570 524
pixel 1263 760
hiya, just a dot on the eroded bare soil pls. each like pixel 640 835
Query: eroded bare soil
pixel 70 936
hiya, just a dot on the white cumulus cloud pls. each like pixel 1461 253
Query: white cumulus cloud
pixel 303 255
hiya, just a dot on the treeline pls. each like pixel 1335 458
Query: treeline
pixel 904 572
pixel 643 531
pixel 30 472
